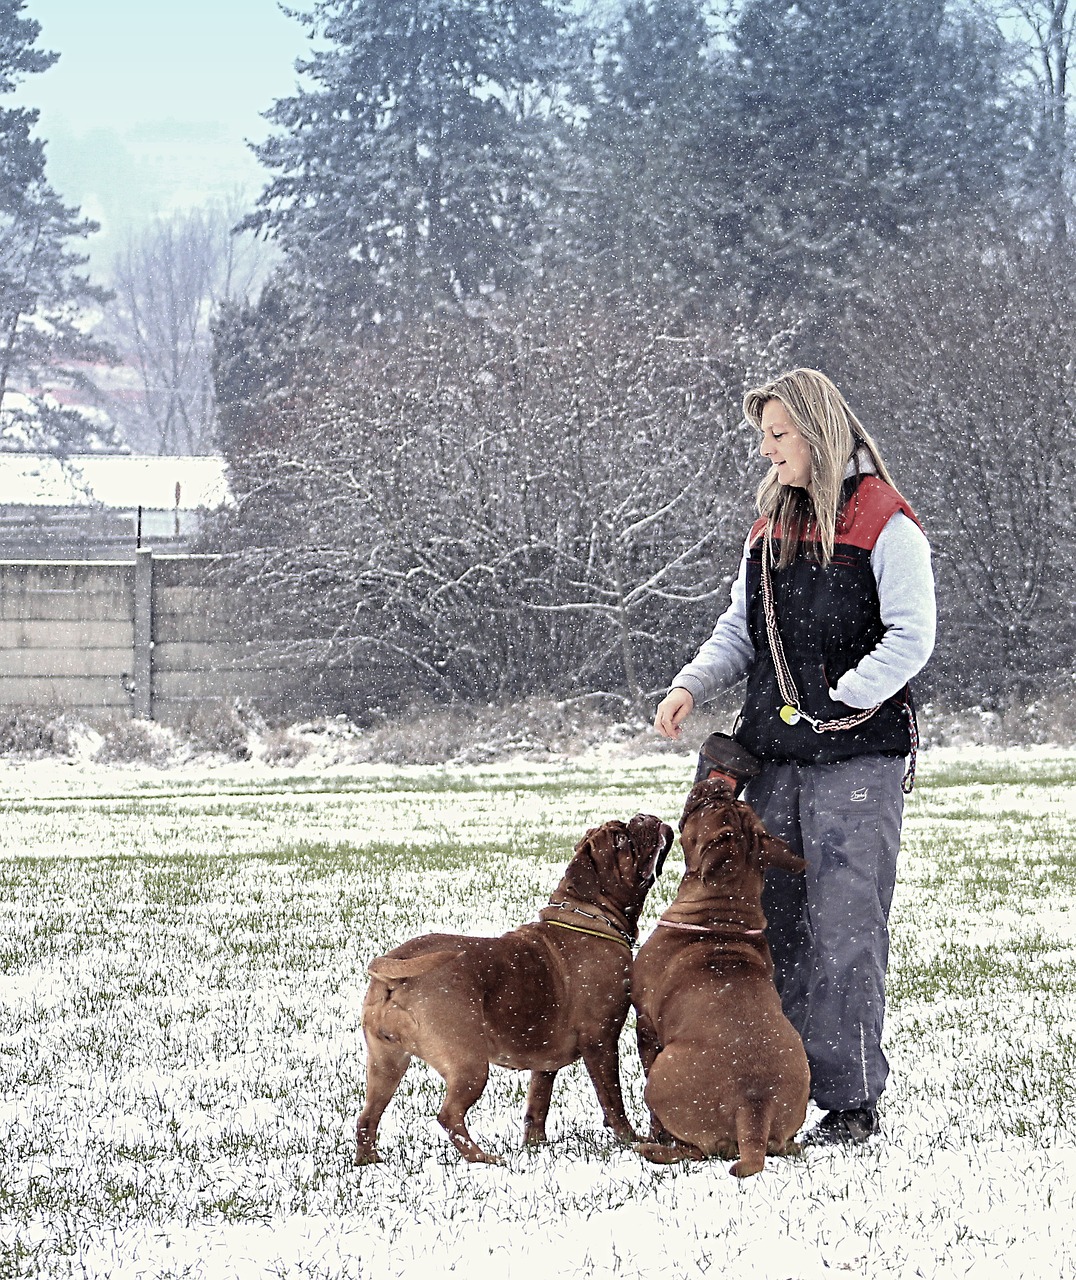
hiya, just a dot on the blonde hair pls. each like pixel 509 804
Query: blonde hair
pixel 833 434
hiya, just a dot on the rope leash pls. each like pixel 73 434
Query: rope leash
pixel 792 711
pixel 908 781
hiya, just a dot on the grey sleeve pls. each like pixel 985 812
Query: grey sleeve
pixel 901 564
pixel 727 655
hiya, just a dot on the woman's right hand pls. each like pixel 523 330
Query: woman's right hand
pixel 672 711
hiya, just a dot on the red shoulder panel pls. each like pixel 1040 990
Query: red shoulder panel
pixel 873 504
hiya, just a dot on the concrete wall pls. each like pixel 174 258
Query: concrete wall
pixel 149 637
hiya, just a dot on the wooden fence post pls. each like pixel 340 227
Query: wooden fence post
pixel 143 634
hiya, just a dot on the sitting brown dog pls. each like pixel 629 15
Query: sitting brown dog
pixel 725 1069
pixel 535 999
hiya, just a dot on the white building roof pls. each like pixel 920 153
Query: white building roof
pixel 118 481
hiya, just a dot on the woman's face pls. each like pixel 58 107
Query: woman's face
pixel 784 447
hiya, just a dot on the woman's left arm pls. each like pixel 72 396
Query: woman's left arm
pixel 901 564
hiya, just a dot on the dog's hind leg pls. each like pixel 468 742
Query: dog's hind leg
pixel 602 1062
pixel 753 1120
pixel 464 1082
pixel 539 1095
pixel 385 1067
pixel 649 1048
pixel 647 1039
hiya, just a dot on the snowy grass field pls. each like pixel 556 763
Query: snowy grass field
pixel 183 967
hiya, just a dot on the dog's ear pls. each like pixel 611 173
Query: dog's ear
pixel 586 838
pixel 775 853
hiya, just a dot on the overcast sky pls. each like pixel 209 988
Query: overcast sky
pixel 151 101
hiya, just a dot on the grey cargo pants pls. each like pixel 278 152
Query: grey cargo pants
pixel 828 929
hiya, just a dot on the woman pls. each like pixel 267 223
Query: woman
pixel 832 613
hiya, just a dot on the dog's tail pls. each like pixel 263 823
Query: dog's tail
pixel 389 970
pixel 753 1122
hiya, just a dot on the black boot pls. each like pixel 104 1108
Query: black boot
pixel 844 1128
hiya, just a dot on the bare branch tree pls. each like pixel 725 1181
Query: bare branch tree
pixel 1050 26
pixel 486 510
pixel 965 368
pixel 169 281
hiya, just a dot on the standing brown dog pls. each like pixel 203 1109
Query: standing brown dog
pixel 725 1069
pixel 535 999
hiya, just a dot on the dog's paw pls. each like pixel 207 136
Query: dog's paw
pixel 656 1152
pixel 368 1156
pixel 790 1148
pixel 666 1153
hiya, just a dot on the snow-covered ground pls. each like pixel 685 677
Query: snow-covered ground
pixel 183 967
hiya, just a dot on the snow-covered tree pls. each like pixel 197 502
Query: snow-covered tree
pixel 492 509
pixel 411 174
pixel 963 364
pixel 1050 26
pixel 43 293
pixel 267 351
pixel 776 151
pixel 865 122
pixel 651 163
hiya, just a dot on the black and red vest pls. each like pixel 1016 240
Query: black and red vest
pixel 829 619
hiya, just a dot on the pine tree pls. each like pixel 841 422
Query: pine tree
pixel 775 156
pixel 865 122
pixel 42 291
pixel 411 175
pixel 653 172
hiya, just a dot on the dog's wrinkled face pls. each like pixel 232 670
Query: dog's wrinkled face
pixel 652 838
pixel 723 839
pixel 619 861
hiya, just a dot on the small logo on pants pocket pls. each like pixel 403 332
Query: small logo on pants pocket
pixel 859 796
